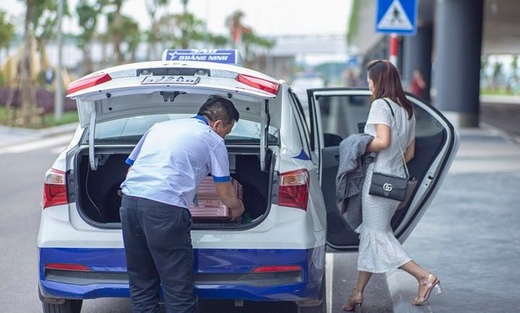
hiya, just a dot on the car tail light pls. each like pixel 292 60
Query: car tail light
pixel 54 188
pixel 277 268
pixel 87 82
pixel 259 83
pixel 67 267
pixel 294 189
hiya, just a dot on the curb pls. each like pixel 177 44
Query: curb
pixel 58 130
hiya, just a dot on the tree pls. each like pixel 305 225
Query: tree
pixel 88 16
pixel 6 35
pixel 6 32
pixel 191 30
pixel 40 23
pixel 515 80
pixel 186 31
pixel 115 29
pixel 244 38
pixel 44 22
pixel 122 31
pixel 131 37
pixel 236 28
pixel 28 104
pixel 252 40
pixel 484 63
pixel 514 67
pixel 156 10
pixel 497 72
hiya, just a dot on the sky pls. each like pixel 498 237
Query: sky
pixel 265 17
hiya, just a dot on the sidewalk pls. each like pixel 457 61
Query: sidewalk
pixel 500 99
pixel 13 135
pixel 469 235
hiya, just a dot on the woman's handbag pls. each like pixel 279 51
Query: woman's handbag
pixel 388 186
pixel 391 186
pixel 411 184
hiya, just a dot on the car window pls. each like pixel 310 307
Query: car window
pixel 303 82
pixel 342 115
pixel 345 115
pixel 300 115
pixel 131 129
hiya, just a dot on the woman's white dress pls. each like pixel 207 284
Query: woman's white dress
pixel 379 250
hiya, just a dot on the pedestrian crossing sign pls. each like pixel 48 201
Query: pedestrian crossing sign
pixel 396 16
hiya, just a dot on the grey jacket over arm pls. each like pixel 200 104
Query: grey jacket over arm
pixel 353 164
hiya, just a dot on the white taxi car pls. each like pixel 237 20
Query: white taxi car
pixel 285 158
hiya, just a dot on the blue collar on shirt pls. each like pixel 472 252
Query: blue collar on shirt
pixel 202 118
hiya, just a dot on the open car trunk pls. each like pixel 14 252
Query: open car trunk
pixel 98 200
pixel 116 121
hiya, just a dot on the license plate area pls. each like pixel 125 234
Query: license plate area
pixel 170 79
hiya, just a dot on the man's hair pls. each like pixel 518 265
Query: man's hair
pixel 219 108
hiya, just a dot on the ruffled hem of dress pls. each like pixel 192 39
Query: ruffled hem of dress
pixel 379 252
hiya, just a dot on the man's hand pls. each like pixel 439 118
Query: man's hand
pixel 228 195
pixel 237 212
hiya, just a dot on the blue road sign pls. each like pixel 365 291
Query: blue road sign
pixel 396 16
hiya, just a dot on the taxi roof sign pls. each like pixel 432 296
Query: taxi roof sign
pixel 227 56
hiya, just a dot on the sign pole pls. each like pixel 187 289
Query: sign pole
pixel 58 92
pixel 394 44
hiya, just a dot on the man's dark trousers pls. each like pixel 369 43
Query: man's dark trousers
pixel 158 251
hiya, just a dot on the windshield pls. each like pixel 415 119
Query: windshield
pixel 131 129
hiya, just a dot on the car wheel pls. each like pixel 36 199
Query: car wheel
pixel 53 305
pixel 68 306
pixel 318 305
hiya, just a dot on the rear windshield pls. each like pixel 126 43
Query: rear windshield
pixel 131 129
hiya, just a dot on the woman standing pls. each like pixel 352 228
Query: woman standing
pixel 392 123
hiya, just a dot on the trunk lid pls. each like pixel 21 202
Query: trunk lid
pixel 174 88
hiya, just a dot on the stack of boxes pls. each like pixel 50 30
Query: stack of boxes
pixel 206 204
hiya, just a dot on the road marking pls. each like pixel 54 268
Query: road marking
pixel 38 144
pixel 329 265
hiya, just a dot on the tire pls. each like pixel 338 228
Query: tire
pixel 53 305
pixel 316 306
pixel 68 306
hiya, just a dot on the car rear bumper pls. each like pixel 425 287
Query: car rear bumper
pixel 219 273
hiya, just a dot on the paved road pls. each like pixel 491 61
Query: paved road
pixel 470 234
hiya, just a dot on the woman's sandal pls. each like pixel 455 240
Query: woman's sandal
pixel 354 302
pixel 423 296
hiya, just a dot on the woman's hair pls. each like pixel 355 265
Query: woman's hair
pixel 219 108
pixel 387 83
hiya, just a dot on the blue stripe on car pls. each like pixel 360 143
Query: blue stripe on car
pixel 211 264
pixel 302 156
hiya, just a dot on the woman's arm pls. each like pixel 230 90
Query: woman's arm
pixel 381 140
pixel 410 151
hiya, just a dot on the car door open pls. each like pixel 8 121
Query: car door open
pixel 336 114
